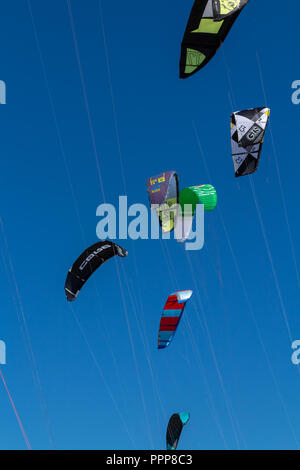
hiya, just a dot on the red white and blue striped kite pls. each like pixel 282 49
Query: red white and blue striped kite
pixel 171 316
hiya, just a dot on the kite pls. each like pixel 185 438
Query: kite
pixel 209 23
pixel 189 198
pixel 175 426
pixel 87 263
pixel 204 194
pixel 163 191
pixel 171 317
pixel 248 128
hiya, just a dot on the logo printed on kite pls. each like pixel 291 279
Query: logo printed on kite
pixel 92 255
pixel 158 180
pixel 254 133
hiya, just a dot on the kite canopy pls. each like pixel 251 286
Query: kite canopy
pixel 189 198
pixel 87 263
pixel 204 194
pixel 209 23
pixel 175 426
pixel 248 128
pixel 163 191
pixel 171 317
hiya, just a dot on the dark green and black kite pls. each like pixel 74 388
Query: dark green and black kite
pixel 209 23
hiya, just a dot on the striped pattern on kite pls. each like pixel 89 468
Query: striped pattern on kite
pixel 171 316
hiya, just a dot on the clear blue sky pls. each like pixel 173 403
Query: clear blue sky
pixel 217 367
